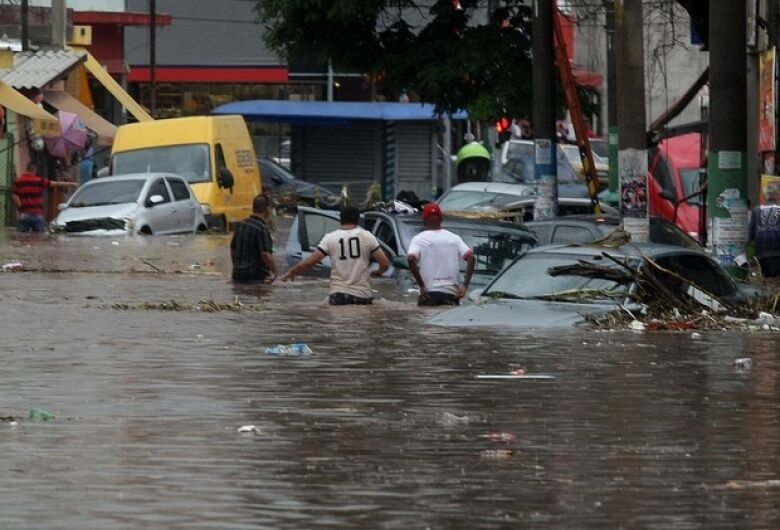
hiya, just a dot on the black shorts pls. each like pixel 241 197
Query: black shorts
pixel 770 267
pixel 347 299
pixel 438 298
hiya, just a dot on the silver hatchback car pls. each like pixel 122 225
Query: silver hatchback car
pixel 144 203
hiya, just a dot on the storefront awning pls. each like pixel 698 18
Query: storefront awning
pixel 64 101
pixel 587 78
pixel 97 70
pixel 45 124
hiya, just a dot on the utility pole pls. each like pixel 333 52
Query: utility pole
pixel 25 25
pixel 612 196
pixel 632 142
pixel 153 58
pixel 726 165
pixel 59 23
pixel 545 161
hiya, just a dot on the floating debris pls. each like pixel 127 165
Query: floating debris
pixel 13 266
pixel 497 454
pixel 41 415
pixel 249 429
pixel 290 350
pixel 744 363
pixel 205 306
pixel 546 377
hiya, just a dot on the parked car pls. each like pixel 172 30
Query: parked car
pixel 582 229
pixel 517 163
pixel 675 167
pixel 572 154
pixel 527 294
pixel 512 202
pixel 495 243
pixel 288 191
pixel 483 196
pixel 143 203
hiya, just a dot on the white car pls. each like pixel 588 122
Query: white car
pixel 143 203
pixel 483 196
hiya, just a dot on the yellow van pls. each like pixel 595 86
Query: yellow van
pixel 214 154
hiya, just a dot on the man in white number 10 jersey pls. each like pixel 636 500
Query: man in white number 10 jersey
pixel 350 249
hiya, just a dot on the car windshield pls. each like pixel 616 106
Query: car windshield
pixel 600 148
pixel 531 277
pixel 457 200
pixel 188 161
pixel 494 247
pixel 107 191
pixel 279 171
pixel 690 183
pixel 521 150
pixel 521 171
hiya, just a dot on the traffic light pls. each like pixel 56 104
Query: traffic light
pixel 503 129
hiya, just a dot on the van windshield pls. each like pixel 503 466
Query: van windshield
pixel 190 161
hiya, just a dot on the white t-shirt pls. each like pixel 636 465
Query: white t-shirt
pixel 438 254
pixel 350 254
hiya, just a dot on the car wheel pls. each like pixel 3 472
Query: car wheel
pixel 145 230
pixel 219 224
pixel 201 228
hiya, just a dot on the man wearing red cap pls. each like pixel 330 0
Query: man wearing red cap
pixel 434 261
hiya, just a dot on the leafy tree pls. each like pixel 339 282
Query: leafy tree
pixel 452 54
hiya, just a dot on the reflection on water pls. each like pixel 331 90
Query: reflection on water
pixel 384 425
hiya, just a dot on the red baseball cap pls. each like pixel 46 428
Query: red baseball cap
pixel 431 209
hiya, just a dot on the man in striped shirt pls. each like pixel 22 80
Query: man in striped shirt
pixel 27 192
pixel 251 249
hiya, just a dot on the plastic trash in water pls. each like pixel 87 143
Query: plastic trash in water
pixel 542 377
pixel 448 418
pixel 500 436
pixel 745 363
pixel 13 266
pixel 41 415
pixel 249 429
pixel 291 350
pixel 636 325
pixel 497 454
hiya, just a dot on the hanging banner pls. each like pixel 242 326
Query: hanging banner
pixel 766 101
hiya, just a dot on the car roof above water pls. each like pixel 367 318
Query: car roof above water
pixel 633 250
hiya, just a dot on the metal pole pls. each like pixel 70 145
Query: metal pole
pixel 25 25
pixel 330 81
pixel 632 143
pixel 447 146
pixel 726 167
pixel 153 58
pixel 545 161
pixel 612 196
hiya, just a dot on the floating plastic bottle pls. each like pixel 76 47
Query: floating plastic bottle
pixel 290 350
pixel 41 415
pixel 745 363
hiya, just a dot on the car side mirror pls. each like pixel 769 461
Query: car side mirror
pixel 401 262
pixel 276 179
pixel 155 199
pixel 668 195
pixel 61 206
pixel 225 179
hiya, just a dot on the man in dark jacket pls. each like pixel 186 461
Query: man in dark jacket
pixel 765 230
pixel 251 249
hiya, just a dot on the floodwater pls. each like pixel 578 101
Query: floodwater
pixel 385 425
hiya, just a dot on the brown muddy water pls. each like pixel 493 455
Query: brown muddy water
pixel 385 425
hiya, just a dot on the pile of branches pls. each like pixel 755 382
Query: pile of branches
pixel 204 306
pixel 662 299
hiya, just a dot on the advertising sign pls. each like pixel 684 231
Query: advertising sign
pixel 766 101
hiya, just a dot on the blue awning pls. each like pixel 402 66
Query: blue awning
pixel 329 113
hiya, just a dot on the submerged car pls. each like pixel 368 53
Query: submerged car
pixel 143 203
pixel 583 229
pixel 288 191
pixel 543 288
pixel 483 196
pixel 495 243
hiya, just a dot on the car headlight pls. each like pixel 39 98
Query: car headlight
pixel 206 208
pixel 129 224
